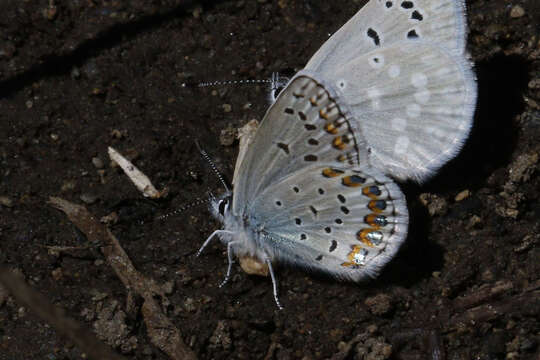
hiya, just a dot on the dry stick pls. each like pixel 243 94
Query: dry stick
pixel 487 312
pixel 83 338
pixel 161 331
pixel 482 295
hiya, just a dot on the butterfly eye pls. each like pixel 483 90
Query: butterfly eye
pixel 222 205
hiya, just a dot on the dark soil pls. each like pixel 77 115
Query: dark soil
pixel 79 76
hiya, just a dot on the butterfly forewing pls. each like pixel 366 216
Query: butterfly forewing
pixel 400 67
pixel 414 103
pixel 382 22
pixel 303 127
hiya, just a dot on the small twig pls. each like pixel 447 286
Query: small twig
pixel 482 295
pixel 487 312
pixel 161 331
pixel 77 252
pixel 53 315
pixel 139 179
pixel 271 350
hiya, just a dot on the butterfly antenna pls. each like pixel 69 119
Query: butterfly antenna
pixel 231 82
pixel 183 208
pixel 275 81
pixel 213 166
pixel 211 196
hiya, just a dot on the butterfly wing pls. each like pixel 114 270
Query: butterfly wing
pixel 414 103
pixel 382 22
pixel 305 187
pixel 348 222
pixel 412 96
pixel 303 127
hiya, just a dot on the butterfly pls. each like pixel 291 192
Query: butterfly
pixel 390 96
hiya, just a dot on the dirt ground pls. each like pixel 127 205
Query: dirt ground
pixel 79 76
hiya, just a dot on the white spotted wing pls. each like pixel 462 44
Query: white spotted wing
pixel 401 68
pixel 307 195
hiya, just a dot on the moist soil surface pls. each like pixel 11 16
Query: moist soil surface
pixel 79 76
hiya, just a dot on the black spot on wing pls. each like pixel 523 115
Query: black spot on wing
pixel 374 36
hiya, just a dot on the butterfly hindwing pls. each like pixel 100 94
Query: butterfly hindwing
pixel 347 222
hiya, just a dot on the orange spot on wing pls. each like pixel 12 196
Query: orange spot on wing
pixel 353 181
pixel 331 128
pixel 338 143
pixel 366 191
pixel 375 206
pixel 323 114
pixel 330 173
pixel 362 236
pixel 371 220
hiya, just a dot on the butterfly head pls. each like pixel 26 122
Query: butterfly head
pixel 221 206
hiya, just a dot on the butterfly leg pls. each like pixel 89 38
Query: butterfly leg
pixel 231 261
pixel 274 282
pixel 217 232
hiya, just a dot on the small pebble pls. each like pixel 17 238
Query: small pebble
pixel 98 163
pixel 197 12
pixel 517 11
pixel 523 167
pixel 99 262
pixel 462 195
pixel 227 136
pixel 379 304
pixel 68 185
pixel 189 305
pixel 474 222
pixel 5 201
pixel 21 311
pixel 227 108
pixel 534 84
pixel 221 336
pixel 528 242
pixel 487 275
pixel 88 198
pixel 117 134
pixel 372 329
pixel 75 73
pixel 168 287
pixel 435 204
pixel 57 274
pixel 50 12
pixel 110 219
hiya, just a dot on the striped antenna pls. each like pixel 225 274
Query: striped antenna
pixel 234 82
pixel 213 166
pixel 181 209
pixel 276 81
